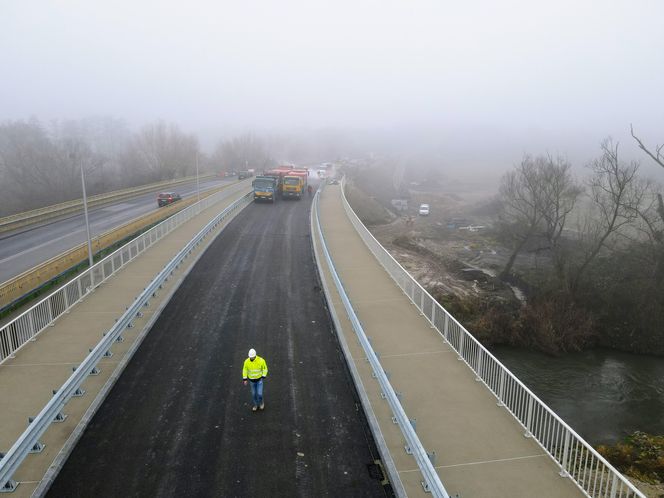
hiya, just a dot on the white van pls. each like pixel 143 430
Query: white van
pixel 424 210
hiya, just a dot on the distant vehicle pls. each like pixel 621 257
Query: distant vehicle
pixel 424 210
pixel 165 198
pixel 244 174
pixel 333 181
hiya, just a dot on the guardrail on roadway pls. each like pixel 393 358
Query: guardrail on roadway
pixel 30 437
pixel 431 482
pixel 17 287
pixel 25 218
pixel 31 322
pixel 577 459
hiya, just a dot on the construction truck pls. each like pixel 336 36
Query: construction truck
pixel 265 188
pixel 295 184
pixel 279 174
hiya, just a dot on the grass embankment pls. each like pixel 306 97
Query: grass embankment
pixel 370 211
pixel 640 456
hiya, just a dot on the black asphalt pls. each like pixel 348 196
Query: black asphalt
pixel 179 421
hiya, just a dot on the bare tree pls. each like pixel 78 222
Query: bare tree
pixel 29 168
pixel 162 152
pixel 650 231
pixel 615 195
pixel 242 152
pixel 560 193
pixel 521 198
pixel 658 157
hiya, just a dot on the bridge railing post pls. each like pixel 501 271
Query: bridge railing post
pixel 478 376
pixel 501 388
pixel 564 464
pixel 614 487
pixel 529 417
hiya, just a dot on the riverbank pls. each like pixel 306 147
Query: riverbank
pixel 604 394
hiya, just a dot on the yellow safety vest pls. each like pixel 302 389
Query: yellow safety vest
pixel 254 369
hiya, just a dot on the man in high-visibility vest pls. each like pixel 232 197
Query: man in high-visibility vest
pixel 255 370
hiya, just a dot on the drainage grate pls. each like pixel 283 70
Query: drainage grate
pixel 375 471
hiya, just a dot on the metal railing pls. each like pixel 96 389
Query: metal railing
pixel 386 457
pixel 431 482
pixel 28 442
pixel 591 472
pixel 27 325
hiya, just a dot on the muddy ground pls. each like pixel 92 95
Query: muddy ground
pixel 453 250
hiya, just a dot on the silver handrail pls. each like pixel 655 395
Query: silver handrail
pixel 38 317
pixel 432 482
pixel 374 426
pixel 577 459
pixel 30 437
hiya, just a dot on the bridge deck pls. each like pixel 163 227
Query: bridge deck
pixel 27 381
pixel 481 450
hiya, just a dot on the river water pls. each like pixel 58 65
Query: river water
pixel 602 394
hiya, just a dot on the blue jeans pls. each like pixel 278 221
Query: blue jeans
pixel 257 392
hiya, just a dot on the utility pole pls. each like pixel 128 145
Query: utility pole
pixel 85 211
pixel 198 187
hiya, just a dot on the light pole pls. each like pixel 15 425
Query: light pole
pixel 198 187
pixel 85 210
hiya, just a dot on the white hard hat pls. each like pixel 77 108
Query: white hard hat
pixel 252 353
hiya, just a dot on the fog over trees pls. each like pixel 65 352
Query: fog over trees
pixel 40 162
pixel 603 236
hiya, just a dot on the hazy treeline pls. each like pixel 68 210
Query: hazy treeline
pixel 40 162
pixel 601 243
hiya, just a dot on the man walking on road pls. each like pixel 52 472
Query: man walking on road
pixel 255 370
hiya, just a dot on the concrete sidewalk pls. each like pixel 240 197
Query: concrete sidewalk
pixel 481 449
pixel 27 381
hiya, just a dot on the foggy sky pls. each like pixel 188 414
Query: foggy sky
pixel 558 75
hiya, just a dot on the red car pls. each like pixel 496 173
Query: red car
pixel 165 198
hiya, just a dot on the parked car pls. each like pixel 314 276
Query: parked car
pixel 424 210
pixel 165 198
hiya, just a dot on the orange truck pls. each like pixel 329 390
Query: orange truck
pixel 295 184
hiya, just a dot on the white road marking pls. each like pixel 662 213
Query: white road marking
pixel 39 246
pixel 415 354
pixel 479 463
pixel 117 207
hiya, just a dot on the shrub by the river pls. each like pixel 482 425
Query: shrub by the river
pixel 550 324
pixel 640 456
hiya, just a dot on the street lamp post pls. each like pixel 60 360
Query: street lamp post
pixel 85 210
pixel 198 187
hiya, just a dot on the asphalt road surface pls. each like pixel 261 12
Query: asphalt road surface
pixel 179 421
pixel 24 248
